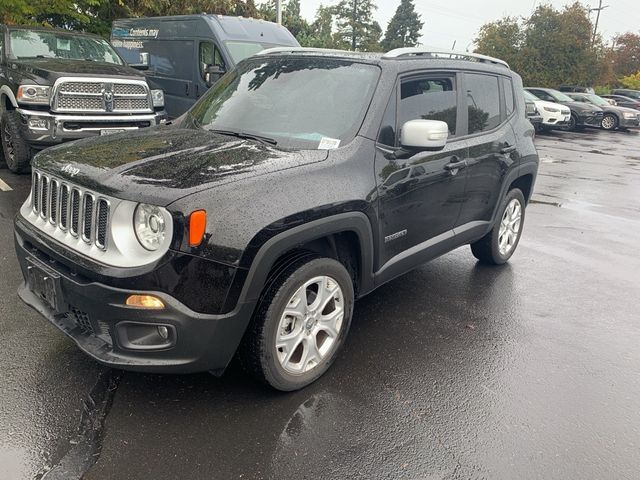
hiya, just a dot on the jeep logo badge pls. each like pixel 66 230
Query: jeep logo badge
pixel 107 96
pixel 70 170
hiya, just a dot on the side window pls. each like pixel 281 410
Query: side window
pixel 542 95
pixel 429 98
pixel 208 55
pixel 508 95
pixel 483 102
pixel 387 133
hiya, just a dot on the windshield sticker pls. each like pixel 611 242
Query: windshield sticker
pixel 63 44
pixel 328 143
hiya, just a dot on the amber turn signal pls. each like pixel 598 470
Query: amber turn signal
pixel 197 227
pixel 145 301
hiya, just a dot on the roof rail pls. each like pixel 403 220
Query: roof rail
pixel 420 51
pixel 269 51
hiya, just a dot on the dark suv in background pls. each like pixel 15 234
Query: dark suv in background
pixel 57 85
pixel 582 115
pixel 301 181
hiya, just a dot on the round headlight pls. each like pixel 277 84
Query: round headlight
pixel 149 225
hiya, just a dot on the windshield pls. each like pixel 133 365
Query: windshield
pixel 596 100
pixel 298 102
pixel 43 44
pixel 530 96
pixel 560 97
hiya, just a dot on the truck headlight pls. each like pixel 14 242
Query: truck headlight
pixel 36 94
pixel 157 96
pixel 551 109
pixel 150 226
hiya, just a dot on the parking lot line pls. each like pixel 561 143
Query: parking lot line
pixel 4 187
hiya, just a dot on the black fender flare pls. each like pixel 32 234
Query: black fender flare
pixel 276 246
pixel 526 167
pixel 6 91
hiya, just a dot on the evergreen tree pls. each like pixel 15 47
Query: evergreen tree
pixel 404 28
pixel 356 29
pixel 320 34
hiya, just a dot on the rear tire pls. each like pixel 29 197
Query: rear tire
pixel 294 335
pixel 573 123
pixel 17 152
pixel 497 246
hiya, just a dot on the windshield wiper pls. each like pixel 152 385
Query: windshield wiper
pixel 248 136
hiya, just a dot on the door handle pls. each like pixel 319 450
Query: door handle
pixel 455 165
pixel 508 149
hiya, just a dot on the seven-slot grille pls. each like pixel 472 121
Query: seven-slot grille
pixel 76 212
pixel 102 97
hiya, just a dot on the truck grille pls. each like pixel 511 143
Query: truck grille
pixel 70 209
pixel 102 96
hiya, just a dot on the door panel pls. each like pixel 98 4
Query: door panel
pixel 491 154
pixel 419 197
pixel 171 67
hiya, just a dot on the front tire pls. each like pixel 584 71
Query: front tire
pixel 497 246
pixel 299 325
pixel 17 152
pixel 609 122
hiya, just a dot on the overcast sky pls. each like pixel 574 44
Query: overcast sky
pixel 459 20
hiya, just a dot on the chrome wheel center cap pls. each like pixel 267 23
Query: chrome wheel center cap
pixel 310 323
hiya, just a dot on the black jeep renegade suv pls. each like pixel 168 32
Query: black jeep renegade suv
pixel 301 181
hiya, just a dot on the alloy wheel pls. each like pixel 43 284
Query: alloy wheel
pixel 310 325
pixel 510 227
pixel 608 122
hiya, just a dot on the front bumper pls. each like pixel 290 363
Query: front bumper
pixel 57 128
pixel 629 122
pixel 553 119
pixel 95 316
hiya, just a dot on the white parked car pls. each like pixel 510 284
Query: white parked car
pixel 554 115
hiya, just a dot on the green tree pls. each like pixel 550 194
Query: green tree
pixel 631 81
pixel 501 39
pixel 320 33
pixel 355 28
pixel 549 48
pixel 404 27
pixel 625 54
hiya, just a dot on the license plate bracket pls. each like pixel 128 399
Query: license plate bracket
pixel 45 283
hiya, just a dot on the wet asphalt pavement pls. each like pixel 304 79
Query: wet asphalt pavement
pixel 455 370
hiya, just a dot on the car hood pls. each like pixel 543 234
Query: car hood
pixel 582 107
pixel 159 165
pixel 47 70
pixel 619 110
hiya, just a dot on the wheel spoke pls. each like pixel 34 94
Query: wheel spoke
pixel 329 323
pixel 310 353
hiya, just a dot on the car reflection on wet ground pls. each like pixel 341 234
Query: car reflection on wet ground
pixel 455 370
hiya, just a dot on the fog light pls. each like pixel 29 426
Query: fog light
pixel 38 124
pixel 163 332
pixel 145 301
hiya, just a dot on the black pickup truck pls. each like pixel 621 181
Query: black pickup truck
pixel 57 85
